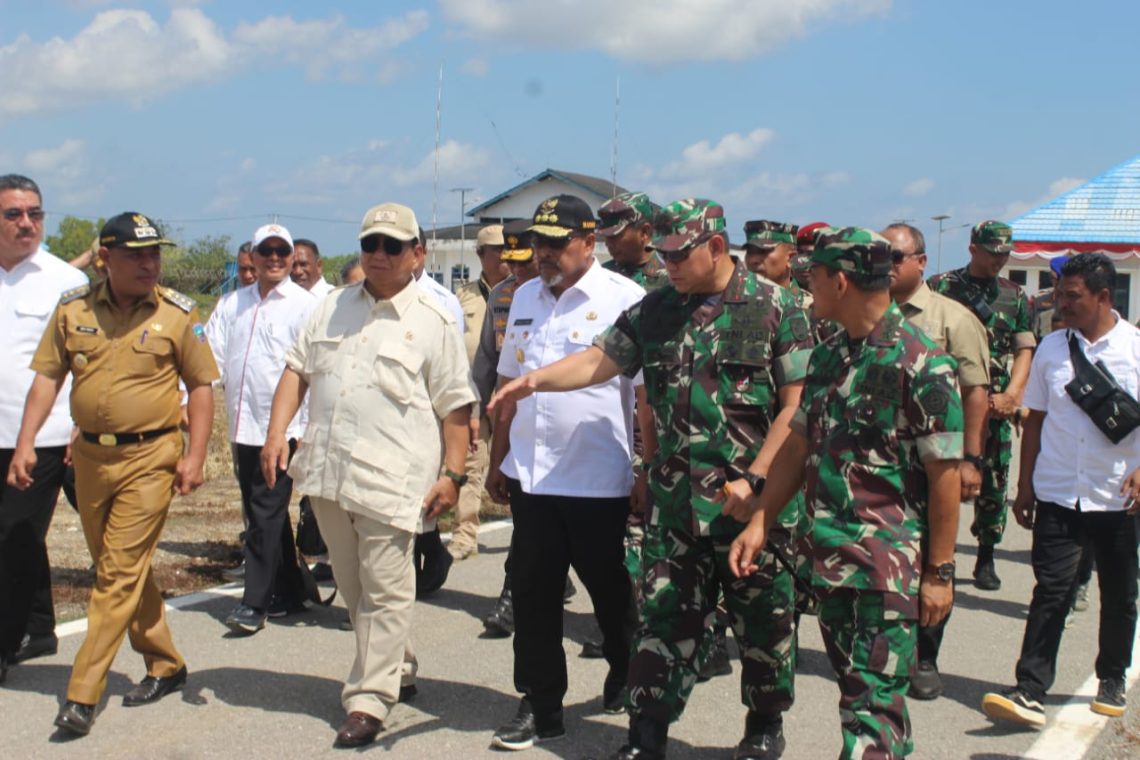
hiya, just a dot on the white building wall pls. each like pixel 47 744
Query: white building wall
pixel 1034 267
pixel 444 254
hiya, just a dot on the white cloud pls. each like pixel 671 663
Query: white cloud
pixel 703 158
pixel 127 55
pixel 1064 185
pixel 656 31
pixel 52 159
pixel 919 187
pixel 1057 187
pixel 248 164
pixel 476 67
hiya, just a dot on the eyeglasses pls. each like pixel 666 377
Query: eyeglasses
pixel 898 257
pixel 682 254
pixel 281 251
pixel 391 246
pixel 35 215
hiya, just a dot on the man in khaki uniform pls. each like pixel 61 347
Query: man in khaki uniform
pixel 958 332
pixel 473 298
pixel 127 342
pixel 389 402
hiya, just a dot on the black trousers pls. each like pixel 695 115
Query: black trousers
pixel 25 573
pixel 551 535
pixel 1059 534
pixel 270 554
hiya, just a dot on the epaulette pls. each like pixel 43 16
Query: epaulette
pixel 74 294
pixel 186 303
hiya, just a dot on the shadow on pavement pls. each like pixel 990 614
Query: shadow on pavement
pixel 268 690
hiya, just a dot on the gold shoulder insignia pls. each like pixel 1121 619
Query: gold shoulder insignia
pixel 74 294
pixel 186 303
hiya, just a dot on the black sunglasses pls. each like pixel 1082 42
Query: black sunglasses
pixel 15 214
pixel 281 251
pixel 373 243
pixel 681 254
pixel 899 257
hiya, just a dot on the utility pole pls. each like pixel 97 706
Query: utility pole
pixel 940 219
pixel 462 221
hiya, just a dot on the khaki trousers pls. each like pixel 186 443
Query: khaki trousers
pixel 466 530
pixel 372 562
pixel 123 495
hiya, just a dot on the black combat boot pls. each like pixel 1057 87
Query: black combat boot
pixel 763 737
pixel 647 738
pixel 718 662
pixel 985 574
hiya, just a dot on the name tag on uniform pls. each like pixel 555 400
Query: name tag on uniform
pixel 87 329
pixel 524 322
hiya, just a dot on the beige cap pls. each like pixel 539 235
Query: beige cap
pixel 390 219
pixel 492 234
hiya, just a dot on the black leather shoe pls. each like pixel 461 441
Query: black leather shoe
pixel 358 729
pixel 40 646
pixel 523 730
pixel 500 622
pixel 76 718
pixel 647 739
pixel 763 738
pixel 153 688
pixel 246 620
pixel 926 683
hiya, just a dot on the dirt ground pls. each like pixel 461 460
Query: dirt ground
pixel 200 540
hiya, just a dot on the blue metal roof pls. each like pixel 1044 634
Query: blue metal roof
pixel 1103 210
pixel 596 185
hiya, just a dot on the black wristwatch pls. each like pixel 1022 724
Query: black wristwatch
pixel 458 479
pixel 755 482
pixel 944 572
pixel 975 460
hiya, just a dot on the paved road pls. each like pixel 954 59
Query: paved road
pixel 276 694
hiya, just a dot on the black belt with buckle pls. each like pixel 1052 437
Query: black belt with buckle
pixel 122 439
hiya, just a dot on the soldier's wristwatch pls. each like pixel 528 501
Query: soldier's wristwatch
pixel 944 572
pixel 457 478
pixel 755 482
pixel 975 460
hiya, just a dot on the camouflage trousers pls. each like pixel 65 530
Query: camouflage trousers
pixel 872 650
pixel 990 510
pixel 682 576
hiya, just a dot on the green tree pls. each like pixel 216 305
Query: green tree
pixel 73 236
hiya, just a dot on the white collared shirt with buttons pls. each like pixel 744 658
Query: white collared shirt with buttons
pixel 29 293
pixel 578 443
pixel 249 336
pixel 1076 460
pixel 443 296
pixel 381 376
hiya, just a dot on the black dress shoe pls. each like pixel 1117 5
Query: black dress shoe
pixel 39 646
pixel 76 718
pixel 152 689
pixel 357 730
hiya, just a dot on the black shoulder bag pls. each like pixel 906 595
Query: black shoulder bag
pixel 1097 393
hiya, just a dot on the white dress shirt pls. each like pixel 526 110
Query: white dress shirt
pixel 249 336
pixel 381 376
pixel 1076 460
pixel 321 288
pixel 578 443
pixel 445 297
pixel 29 293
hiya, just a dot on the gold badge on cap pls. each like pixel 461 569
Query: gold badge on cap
pixel 519 356
pixel 81 360
pixel 592 315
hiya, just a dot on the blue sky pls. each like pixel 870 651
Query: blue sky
pixel 217 114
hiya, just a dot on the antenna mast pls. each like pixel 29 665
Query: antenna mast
pixel 614 156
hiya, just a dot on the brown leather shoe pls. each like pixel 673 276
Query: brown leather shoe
pixel 357 730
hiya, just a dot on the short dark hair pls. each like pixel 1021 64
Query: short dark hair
pixel 349 265
pixel 308 244
pixel 1095 268
pixel 915 235
pixel 246 247
pixel 864 283
pixel 20 182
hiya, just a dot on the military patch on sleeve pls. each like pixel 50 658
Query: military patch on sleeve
pixel 74 294
pixel 935 402
pixel 186 303
pixel 801 329
pixel 199 332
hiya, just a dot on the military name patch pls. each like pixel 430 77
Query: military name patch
pixel 524 322
pixel 880 382
pixel 87 329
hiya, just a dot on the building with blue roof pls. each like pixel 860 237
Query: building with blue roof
pixel 1101 215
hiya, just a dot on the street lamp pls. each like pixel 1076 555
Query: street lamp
pixel 462 220
pixel 940 219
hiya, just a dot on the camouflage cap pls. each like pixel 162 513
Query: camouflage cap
pixel 995 237
pixel 854 250
pixel 516 241
pixel 761 233
pixel 687 222
pixel 619 212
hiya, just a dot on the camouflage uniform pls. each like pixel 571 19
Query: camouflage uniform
pixel 713 366
pixel 613 217
pixel 1003 309
pixel 874 411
